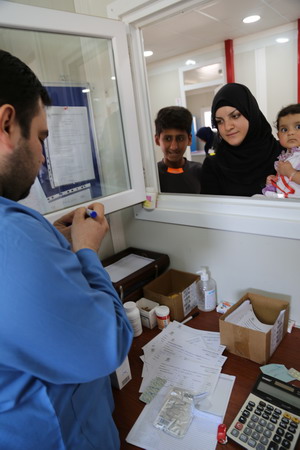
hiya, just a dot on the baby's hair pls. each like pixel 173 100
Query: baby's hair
pixel 291 109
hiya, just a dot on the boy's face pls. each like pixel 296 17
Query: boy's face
pixel 289 131
pixel 173 144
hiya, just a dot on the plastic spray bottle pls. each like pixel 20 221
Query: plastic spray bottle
pixel 207 291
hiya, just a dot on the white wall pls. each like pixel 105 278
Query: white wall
pixel 238 261
pixel 167 84
pixel 263 65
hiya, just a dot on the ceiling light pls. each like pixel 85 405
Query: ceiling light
pixel 113 78
pixel 85 91
pixel 190 62
pixel 282 40
pixel 251 19
pixel 148 53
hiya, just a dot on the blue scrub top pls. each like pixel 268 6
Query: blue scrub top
pixel 63 330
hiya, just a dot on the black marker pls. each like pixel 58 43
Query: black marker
pixel 191 317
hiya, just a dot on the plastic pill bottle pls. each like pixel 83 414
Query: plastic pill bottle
pixel 133 314
pixel 162 316
pixel 151 198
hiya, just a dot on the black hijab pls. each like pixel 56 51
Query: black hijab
pixel 253 160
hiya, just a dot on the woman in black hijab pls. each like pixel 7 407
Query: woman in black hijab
pixel 247 149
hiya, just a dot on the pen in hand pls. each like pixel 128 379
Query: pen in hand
pixel 91 213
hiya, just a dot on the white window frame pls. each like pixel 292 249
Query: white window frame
pixel 264 216
pixel 33 18
pixel 184 88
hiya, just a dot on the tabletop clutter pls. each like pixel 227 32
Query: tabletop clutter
pixel 183 387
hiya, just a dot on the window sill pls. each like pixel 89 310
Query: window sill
pixel 258 215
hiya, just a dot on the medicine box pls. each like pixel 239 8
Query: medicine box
pixel 175 289
pixel 252 344
pixel 122 375
pixel 147 312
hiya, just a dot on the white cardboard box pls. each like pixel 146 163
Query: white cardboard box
pixel 122 375
pixel 147 312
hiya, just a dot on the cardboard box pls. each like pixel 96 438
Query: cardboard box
pixel 122 375
pixel 147 312
pixel 253 344
pixel 175 289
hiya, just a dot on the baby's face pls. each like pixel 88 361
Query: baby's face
pixel 289 131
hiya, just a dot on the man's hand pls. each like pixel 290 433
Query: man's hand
pixel 64 225
pixel 83 231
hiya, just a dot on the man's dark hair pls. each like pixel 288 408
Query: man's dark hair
pixel 176 117
pixel 291 109
pixel 20 88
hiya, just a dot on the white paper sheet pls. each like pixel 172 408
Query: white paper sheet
pixel 244 316
pixel 68 150
pixel 183 372
pixel 202 433
pixel 126 266
pixel 170 355
pixel 277 331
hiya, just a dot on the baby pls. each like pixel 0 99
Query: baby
pixel 286 183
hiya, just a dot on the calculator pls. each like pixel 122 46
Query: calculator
pixel 269 419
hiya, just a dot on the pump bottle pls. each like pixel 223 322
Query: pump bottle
pixel 207 291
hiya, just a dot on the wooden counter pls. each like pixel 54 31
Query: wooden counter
pixel 128 406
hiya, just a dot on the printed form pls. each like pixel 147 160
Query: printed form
pixel 190 359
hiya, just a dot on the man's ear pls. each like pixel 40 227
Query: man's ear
pixel 190 139
pixel 7 124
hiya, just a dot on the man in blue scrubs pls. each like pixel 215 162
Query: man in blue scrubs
pixel 62 326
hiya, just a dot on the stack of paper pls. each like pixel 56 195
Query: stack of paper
pixel 183 357
pixel 244 316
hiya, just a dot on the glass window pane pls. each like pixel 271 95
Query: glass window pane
pixel 85 154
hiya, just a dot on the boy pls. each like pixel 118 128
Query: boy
pixel 173 134
pixel 287 181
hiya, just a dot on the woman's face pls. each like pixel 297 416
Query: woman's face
pixel 232 125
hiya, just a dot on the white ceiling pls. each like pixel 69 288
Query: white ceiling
pixel 214 22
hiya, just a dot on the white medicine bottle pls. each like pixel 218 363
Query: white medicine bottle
pixel 207 291
pixel 133 314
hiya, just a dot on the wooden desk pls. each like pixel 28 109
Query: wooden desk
pixel 128 406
